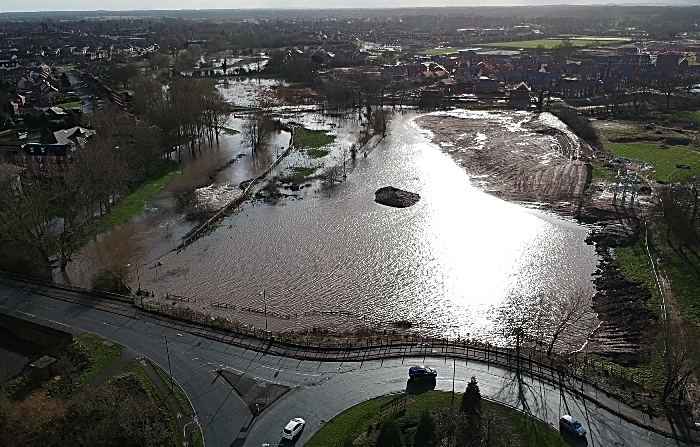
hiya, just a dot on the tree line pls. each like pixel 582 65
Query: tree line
pixel 45 219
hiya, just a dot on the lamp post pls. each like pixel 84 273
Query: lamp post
pixel 170 371
pixel 264 308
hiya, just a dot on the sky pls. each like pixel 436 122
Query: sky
pixel 131 5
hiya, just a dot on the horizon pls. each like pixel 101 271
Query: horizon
pixel 112 6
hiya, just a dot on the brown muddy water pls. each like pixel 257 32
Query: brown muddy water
pixel 334 258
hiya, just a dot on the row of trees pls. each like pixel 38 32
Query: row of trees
pixel 54 215
pixel 186 111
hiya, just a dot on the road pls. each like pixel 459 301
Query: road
pixel 319 390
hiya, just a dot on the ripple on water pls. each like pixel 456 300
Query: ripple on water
pixel 444 263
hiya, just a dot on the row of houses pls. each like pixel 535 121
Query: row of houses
pixel 473 72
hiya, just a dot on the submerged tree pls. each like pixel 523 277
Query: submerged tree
pixel 257 128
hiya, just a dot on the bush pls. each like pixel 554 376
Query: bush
pixel 580 125
pixel 112 279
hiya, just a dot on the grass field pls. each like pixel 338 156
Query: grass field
pixel 663 161
pixel 359 422
pixel 548 44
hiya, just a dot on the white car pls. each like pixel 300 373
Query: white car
pixel 293 428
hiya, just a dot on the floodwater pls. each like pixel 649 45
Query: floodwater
pixel 333 257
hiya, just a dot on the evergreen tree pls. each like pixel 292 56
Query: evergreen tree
pixel 472 429
pixel 471 399
pixel 389 434
pixel 426 433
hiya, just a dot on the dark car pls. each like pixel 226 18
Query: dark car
pixel 571 425
pixel 420 372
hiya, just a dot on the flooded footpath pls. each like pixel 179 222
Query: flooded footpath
pixel 333 257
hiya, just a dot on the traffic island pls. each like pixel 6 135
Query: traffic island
pixel 256 393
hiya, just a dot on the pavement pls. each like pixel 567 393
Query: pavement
pixel 675 426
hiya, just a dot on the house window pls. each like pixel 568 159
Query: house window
pixel 43 150
pixel 53 158
pixel 24 159
pixel 40 159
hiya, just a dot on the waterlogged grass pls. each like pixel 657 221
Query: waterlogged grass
pixel 229 131
pixel 663 161
pixel 356 422
pixel 134 202
pixel 311 139
pixel 317 153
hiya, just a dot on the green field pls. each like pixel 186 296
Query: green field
pixel 663 161
pixel 548 44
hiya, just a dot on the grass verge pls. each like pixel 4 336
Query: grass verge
pixel 177 391
pixel 102 352
pixel 229 131
pixel 134 202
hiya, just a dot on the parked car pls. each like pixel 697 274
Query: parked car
pixel 293 428
pixel 572 426
pixel 422 371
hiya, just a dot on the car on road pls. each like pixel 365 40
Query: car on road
pixel 422 371
pixel 293 428
pixel 572 426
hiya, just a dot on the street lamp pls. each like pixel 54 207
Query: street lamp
pixel 265 308
pixel 170 371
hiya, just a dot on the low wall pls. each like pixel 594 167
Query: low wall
pixel 46 334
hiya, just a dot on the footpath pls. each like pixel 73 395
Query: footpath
pixel 675 426
pixel 186 423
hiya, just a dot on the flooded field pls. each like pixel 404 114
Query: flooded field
pixel 332 257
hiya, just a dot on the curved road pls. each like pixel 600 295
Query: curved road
pixel 319 390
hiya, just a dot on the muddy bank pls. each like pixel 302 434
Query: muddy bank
pixel 623 334
pixel 520 157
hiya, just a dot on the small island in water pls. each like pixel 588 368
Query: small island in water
pixel 398 198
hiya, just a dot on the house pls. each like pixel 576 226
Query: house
pixel 572 88
pixel 519 96
pixel 52 154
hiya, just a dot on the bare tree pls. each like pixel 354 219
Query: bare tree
pixel 257 128
pixel 519 319
pixel 681 211
pixel 681 355
pixel 564 314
